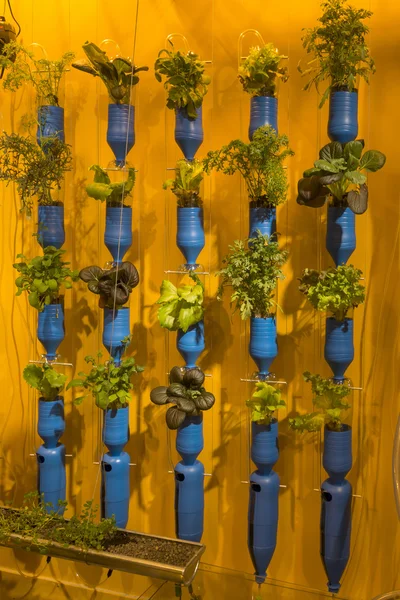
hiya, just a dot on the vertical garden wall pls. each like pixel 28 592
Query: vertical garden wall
pixel 212 30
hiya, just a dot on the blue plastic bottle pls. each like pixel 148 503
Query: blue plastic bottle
pixel 263 111
pixel 51 226
pixel 191 344
pixel 116 328
pixel 340 234
pixel 343 116
pixel 118 231
pixel 121 131
pixel 339 348
pixel 262 219
pixel 189 132
pixel 263 347
pixel 50 329
pixel 190 234
pixel 50 123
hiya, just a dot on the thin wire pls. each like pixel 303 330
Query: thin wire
pixel 12 14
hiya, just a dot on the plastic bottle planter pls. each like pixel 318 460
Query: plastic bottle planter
pixel 118 232
pixel 191 344
pixel 336 493
pixel 51 455
pixel 263 502
pixel 263 111
pixel 115 466
pixel 263 347
pixel 121 131
pixel 188 132
pixel 51 226
pixel 116 328
pixel 343 116
pixel 189 481
pixel 50 329
pixel 340 234
pixel 50 123
pixel 190 234
pixel 263 219
pixel 339 348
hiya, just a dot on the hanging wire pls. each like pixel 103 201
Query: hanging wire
pixel 12 14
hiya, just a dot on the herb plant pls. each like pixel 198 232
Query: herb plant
pixel 186 393
pixel 260 162
pixel 45 379
pixel 339 50
pixel 110 385
pixel 337 176
pixel 114 285
pixel 37 171
pixel 264 402
pixel 329 399
pixel 185 81
pixel 117 74
pixel 335 290
pixel 252 273
pixel 43 277
pixel 181 307
pixel 261 70
pixel 186 185
pixel 45 75
pixel 113 193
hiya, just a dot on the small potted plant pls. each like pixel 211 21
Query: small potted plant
pixel 260 74
pixel 37 173
pixel 335 291
pixel 43 278
pixel 51 426
pixel 114 287
pixel 181 310
pixel 337 178
pixel 118 231
pixel 329 397
pixel 111 386
pixel 264 482
pixel 188 399
pixel 190 230
pixel 341 57
pixel 186 86
pixel 260 163
pixel 45 76
pixel 252 273
pixel 119 75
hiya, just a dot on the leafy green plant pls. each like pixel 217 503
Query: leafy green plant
pixel 102 189
pixel 186 393
pixel 186 185
pixel 45 75
pixel 45 379
pixel 37 171
pixel 329 399
pixel 117 74
pixel 185 81
pixel 114 285
pixel 339 50
pixel 261 70
pixel 260 162
pixel 335 290
pixel 110 385
pixel 252 273
pixel 264 402
pixel 181 307
pixel 43 277
pixel 337 176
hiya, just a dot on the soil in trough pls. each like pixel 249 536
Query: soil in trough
pixel 148 548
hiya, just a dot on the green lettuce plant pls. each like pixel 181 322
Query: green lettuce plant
pixel 109 385
pixel 181 307
pixel 252 272
pixel 338 177
pixel 260 162
pixel 114 285
pixel 114 194
pixel 45 379
pixel 260 72
pixel 185 81
pixel 266 399
pixel 335 290
pixel 329 399
pixel 340 52
pixel 118 74
pixel 186 185
pixel 186 394
pixel 43 277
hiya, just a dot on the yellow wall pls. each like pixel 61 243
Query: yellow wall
pixel 212 28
